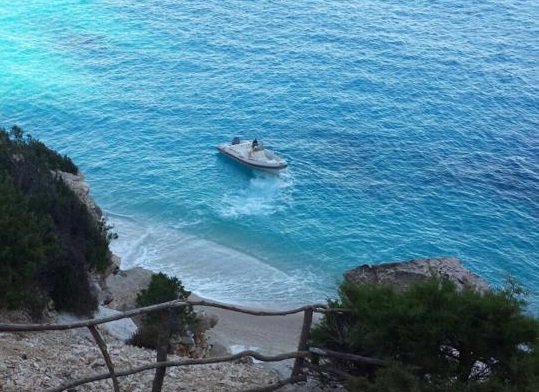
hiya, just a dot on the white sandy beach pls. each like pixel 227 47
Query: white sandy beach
pixel 234 331
pixel 269 335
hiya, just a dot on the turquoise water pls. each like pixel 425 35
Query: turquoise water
pixel 411 128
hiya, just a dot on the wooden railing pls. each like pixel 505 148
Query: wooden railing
pixel 300 356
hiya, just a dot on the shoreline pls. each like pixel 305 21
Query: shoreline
pixel 233 332
pixel 268 334
pixel 215 270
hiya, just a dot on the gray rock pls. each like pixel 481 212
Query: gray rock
pixel 122 329
pixel 125 285
pixel 403 274
pixel 218 350
pixel 116 263
pixel 187 340
pixel 105 296
pixel 205 321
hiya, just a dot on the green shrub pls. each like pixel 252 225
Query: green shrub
pixel 438 331
pixel 162 288
pixel 26 240
pixel 49 241
pixel 39 154
pixel 394 378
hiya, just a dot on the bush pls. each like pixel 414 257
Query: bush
pixel 159 326
pixel 162 288
pixel 25 241
pixel 441 333
pixel 49 241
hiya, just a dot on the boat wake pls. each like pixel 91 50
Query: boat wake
pixel 263 195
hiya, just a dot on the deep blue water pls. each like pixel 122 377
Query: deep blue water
pixel 411 128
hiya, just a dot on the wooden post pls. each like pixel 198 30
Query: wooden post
pixel 163 340
pixel 303 339
pixel 103 347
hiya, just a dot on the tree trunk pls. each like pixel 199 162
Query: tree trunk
pixel 465 365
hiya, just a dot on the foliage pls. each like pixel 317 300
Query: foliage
pixel 453 340
pixel 37 152
pixel 25 241
pixel 163 288
pixel 158 327
pixel 48 239
pixel 394 378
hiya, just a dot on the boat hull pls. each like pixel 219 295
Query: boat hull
pixel 242 156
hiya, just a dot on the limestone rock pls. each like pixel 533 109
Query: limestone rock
pixel 403 274
pixel 125 285
pixel 205 321
pixel 122 329
pixel 116 263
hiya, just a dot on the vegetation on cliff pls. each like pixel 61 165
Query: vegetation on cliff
pixel 435 338
pixel 48 239
pixel 162 288
pixel 158 327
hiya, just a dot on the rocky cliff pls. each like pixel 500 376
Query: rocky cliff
pixel 81 188
pixel 403 273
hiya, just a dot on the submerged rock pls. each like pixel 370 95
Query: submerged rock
pixel 402 274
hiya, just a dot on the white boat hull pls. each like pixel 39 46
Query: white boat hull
pixel 244 153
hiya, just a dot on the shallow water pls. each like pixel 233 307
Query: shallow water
pixel 411 131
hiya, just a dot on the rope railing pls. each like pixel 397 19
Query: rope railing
pixel 303 352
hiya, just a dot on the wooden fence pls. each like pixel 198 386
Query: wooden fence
pixel 303 357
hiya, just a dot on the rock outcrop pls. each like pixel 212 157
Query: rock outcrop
pixel 81 188
pixel 125 285
pixel 402 274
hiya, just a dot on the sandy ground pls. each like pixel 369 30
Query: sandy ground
pixel 269 335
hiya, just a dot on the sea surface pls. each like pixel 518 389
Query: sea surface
pixel 411 129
